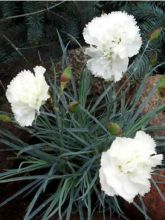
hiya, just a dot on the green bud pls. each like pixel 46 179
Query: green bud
pixel 114 129
pixel 73 106
pixel 161 87
pixel 155 34
pixel 5 118
pixel 67 72
pixel 65 77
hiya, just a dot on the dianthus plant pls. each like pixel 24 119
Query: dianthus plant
pixel 71 133
pixel 60 165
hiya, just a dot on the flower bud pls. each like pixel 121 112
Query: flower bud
pixel 155 34
pixel 65 77
pixel 161 87
pixel 114 129
pixel 5 118
pixel 73 106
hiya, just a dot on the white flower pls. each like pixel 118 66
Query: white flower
pixel 113 38
pixel 127 166
pixel 26 93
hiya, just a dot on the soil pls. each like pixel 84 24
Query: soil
pixel 15 209
pixel 155 100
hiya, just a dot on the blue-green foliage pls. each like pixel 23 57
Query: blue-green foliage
pixel 68 147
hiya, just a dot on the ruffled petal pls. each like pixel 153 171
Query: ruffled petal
pixel 26 93
pixel 127 166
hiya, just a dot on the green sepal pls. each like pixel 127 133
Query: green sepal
pixel 155 34
pixel 65 78
pixel 114 129
pixel 68 73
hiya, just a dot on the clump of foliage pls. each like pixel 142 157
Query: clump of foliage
pixel 60 168
pixel 71 133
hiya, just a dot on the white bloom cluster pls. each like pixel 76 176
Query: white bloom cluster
pixel 26 93
pixel 126 167
pixel 113 38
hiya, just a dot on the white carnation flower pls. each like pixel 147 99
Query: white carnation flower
pixel 127 166
pixel 113 38
pixel 26 93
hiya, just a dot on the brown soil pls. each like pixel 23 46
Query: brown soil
pixel 15 209
pixel 159 119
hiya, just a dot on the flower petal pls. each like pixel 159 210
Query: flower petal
pixel 126 167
